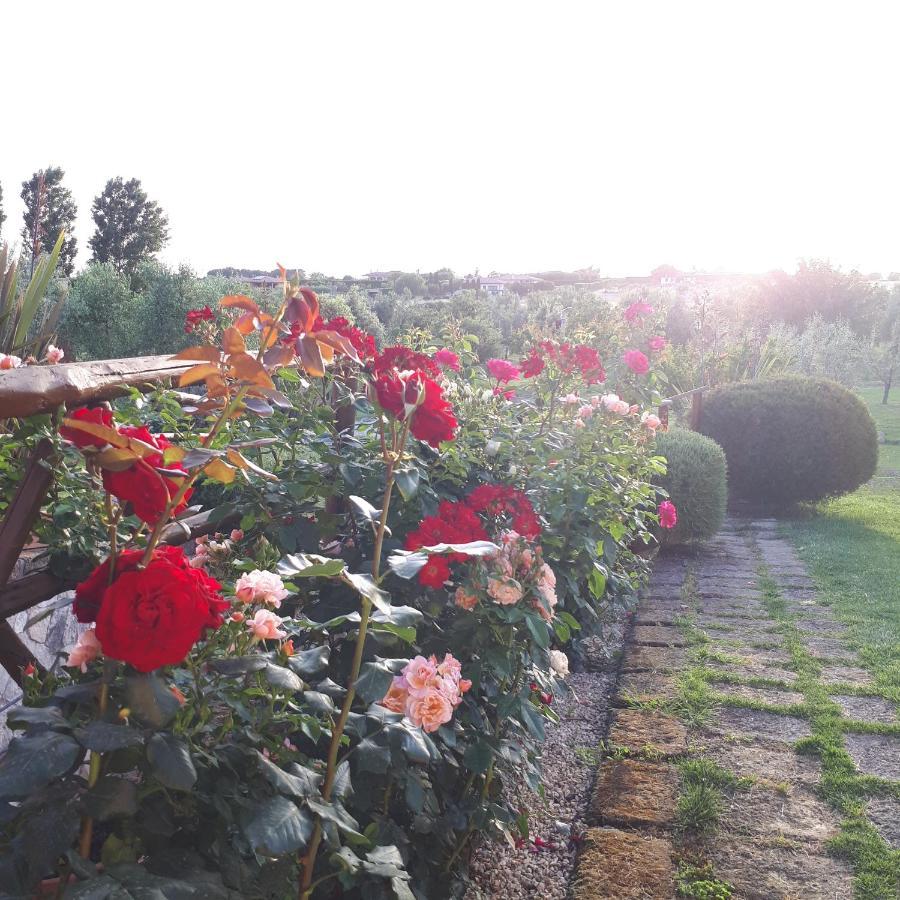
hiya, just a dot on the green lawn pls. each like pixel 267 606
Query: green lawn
pixel 853 550
pixel 887 419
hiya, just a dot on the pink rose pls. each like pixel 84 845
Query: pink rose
pixel 430 711
pixel 571 400
pixel 264 626
pixel 53 355
pixel 8 361
pixel 637 311
pixel 586 411
pixel 260 587
pixel 418 672
pixel 668 515
pixel 447 358
pixel 651 421
pixel 636 361
pixel 237 535
pixel 85 650
pixel 657 343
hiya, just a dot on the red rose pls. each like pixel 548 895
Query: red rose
pixel 405 360
pixel 152 617
pixel 140 485
pixel 502 369
pixel 435 572
pixel 533 364
pixel 432 419
pixel 89 594
pixel 81 439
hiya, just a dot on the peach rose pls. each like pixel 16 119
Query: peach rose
pixel 397 696
pixel 464 599
pixel 430 711
pixel 54 354
pixel 85 650
pixel 419 672
pixel 505 592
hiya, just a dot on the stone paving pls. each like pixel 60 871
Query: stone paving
pixel 708 615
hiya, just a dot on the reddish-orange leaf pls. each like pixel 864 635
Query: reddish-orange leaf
pixel 338 342
pixel 248 368
pixel 240 301
pixel 197 373
pixel 210 354
pixel 247 323
pixel 220 470
pixel 311 356
pixel 232 341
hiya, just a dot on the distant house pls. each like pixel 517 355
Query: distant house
pixel 266 281
pixel 499 284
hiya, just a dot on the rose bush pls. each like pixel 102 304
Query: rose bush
pixel 325 696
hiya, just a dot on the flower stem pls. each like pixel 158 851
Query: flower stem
pixel 308 861
pixel 87 823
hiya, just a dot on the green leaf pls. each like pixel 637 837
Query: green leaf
pixel 299 782
pixel 406 563
pixel 238 665
pixel 35 291
pixel 374 680
pixel 111 797
pixel 309 663
pixel 307 565
pixel 36 716
pixel 282 678
pixel 171 761
pixel 321 704
pixel 335 813
pixel 365 585
pixel 407 481
pixel 533 720
pixel 364 510
pixel 150 701
pixel 373 757
pixel 30 762
pixel 478 757
pixel 597 583
pixel 538 630
pixel 279 827
pixel 105 736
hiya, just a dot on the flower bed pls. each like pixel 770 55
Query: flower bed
pixel 325 700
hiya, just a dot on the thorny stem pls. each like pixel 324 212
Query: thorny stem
pixel 308 861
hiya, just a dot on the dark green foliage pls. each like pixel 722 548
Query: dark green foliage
pixel 792 439
pixel 2 214
pixel 130 228
pixel 696 481
pixel 49 209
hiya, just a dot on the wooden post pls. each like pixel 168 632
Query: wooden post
pixel 14 533
pixel 696 409
pixel 664 414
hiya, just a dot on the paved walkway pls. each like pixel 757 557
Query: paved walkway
pixel 713 769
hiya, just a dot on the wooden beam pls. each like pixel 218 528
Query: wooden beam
pixel 30 390
pixel 14 655
pixel 24 593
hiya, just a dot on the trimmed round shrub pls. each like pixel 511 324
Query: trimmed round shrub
pixel 696 481
pixel 792 439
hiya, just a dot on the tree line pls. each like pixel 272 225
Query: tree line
pixel 129 227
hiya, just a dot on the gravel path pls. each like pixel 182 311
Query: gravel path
pixel 498 870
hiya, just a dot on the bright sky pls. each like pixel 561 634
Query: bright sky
pixel 510 136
